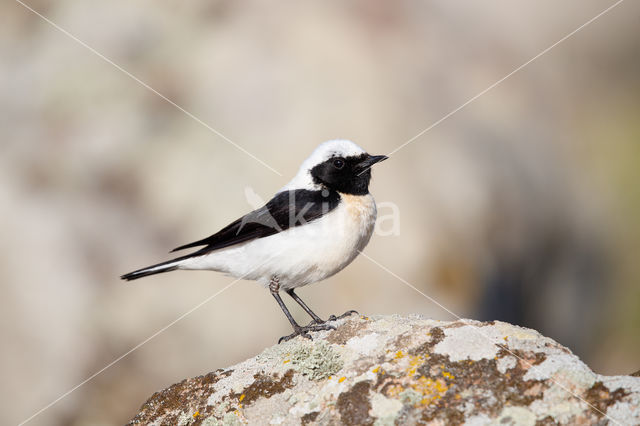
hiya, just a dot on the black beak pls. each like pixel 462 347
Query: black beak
pixel 371 160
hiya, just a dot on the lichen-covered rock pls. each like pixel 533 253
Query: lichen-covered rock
pixel 403 370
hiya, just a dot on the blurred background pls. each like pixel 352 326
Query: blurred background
pixel 523 206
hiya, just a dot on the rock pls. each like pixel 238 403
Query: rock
pixel 388 370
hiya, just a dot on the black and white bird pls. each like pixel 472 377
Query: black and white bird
pixel 310 230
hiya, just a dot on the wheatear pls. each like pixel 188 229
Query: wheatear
pixel 311 229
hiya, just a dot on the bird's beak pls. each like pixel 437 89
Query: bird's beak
pixel 371 160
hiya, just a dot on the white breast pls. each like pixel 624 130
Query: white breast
pixel 303 254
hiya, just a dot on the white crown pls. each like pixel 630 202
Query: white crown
pixel 324 151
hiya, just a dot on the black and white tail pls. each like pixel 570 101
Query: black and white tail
pixel 171 265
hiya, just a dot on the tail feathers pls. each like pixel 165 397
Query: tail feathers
pixel 194 244
pixel 171 265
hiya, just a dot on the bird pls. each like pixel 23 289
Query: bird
pixel 311 229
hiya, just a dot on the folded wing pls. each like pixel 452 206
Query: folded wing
pixel 286 209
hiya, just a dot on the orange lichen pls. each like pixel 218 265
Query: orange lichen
pixel 429 386
pixel 341 379
pixel 241 398
pixel 415 362
pixel 394 390
pixel 431 390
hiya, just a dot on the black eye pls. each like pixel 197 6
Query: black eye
pixel 338 163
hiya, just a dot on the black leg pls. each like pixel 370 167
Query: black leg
pixel 346 314
pixel 308 310
pixel 274 287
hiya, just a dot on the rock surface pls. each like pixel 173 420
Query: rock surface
pixel 388 370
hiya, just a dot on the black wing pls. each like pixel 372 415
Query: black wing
pixel 286 209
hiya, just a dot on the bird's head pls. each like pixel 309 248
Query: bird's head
pixel 340 165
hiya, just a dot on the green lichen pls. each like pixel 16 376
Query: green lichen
pixel 316 360
pixel 411 397
pixel 231 419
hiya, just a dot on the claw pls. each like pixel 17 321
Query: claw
pixel 346 314
pixel 320 327
pixel 315 323
pixel 294 334
pixel 304 331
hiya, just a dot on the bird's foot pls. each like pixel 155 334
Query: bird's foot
pixel 304 331
pixel 317 321
pixel 346 314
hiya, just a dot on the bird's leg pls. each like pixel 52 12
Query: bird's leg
pixel 294 296
pixel 317 319
pixel 274 287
